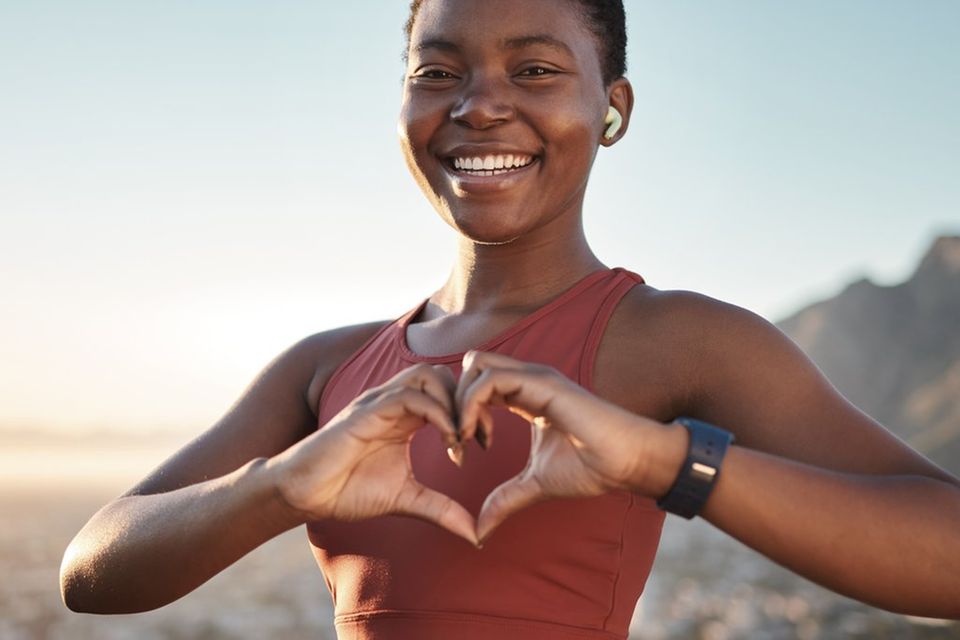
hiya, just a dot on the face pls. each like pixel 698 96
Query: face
pixel 503 109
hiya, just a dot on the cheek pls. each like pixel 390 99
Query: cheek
pixel 414 130
pixel 416 125
pixel 574 145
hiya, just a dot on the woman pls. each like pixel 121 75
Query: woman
pixel 505 106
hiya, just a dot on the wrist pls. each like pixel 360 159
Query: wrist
pixel 273 478
pixel 663 455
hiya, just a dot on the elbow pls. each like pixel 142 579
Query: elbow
pixel 76 584
pixel 83 588
pixel 72 596
pixel 71 589
pixel 92 582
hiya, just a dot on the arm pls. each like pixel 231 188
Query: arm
pixel 815 484
pixel 888 540
pixel 812 483
pixel 213 501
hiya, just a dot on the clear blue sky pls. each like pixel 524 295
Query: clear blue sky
pixel 187 187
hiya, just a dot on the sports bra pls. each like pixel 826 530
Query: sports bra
pixel 566 568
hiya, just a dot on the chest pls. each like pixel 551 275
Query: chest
pixel 459 334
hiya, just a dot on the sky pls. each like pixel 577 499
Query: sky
pixel 189 187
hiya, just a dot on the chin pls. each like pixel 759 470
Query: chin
pixel 483 234
pixel 480 227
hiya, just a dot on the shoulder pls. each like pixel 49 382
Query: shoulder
pixel 315 358
pixel 687 307
pixel 694 321
pixel 297 376
pixel 667 338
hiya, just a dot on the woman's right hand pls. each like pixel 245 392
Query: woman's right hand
pixel 358 465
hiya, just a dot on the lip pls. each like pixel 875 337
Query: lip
pixel 465 183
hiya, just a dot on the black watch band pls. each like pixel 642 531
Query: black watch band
pixel 699 472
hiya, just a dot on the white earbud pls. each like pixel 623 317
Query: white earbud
pixel 613 121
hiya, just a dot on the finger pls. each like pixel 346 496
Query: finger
pixel 391 407
pixel 472 368
pixel 432 506
pixel 426 407
pixel 444 375
pixel 436 381
pixel 475 363
pixel 511 496
pixel 484 434
pixel 527 392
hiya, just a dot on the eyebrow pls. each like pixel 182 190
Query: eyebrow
pixel 542 39
pixel 436 43
pixel 519 42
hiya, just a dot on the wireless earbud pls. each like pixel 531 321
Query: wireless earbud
pixel 613 121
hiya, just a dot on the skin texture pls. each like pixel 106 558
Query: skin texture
pixel 812 483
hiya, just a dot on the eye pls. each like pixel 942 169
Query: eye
pixel 433 74
pixel 537 71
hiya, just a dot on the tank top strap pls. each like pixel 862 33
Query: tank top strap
pixel 617 288
pixel 566 333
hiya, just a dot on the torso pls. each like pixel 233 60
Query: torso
pixel 390 574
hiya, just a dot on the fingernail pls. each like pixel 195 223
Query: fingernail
pixel 481 437
pixel 456 454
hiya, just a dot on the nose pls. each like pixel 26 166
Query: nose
pixel 484 103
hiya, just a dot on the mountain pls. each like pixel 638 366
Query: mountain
pixel 894 351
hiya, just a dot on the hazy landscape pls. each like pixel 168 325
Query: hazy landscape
pixel 895 351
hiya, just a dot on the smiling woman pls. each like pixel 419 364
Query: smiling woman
pixel 498 461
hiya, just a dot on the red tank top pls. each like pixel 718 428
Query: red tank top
pixel 570 568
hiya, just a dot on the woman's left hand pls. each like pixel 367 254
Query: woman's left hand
pixel 582 445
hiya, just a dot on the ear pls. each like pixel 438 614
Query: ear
pixel 620 97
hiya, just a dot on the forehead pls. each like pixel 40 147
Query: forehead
pixel 489 23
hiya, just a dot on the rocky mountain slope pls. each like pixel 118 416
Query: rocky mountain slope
pixel 894 351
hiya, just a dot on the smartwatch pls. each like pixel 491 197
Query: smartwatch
pixel 699 472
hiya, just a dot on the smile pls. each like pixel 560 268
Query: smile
pixel 491 165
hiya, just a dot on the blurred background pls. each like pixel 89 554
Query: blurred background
pixel 187 188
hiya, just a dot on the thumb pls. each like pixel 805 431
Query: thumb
pixel 513 495
pixel 432 506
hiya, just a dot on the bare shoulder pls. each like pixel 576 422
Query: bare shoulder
pixel 656 339
pixel 708 353
pixel 276 410
pixel 328 350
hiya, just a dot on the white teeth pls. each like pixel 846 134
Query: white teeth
pixel 492 164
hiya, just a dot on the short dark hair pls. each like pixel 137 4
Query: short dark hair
pixel 606 20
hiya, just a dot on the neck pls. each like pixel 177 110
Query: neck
pixel 519 275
